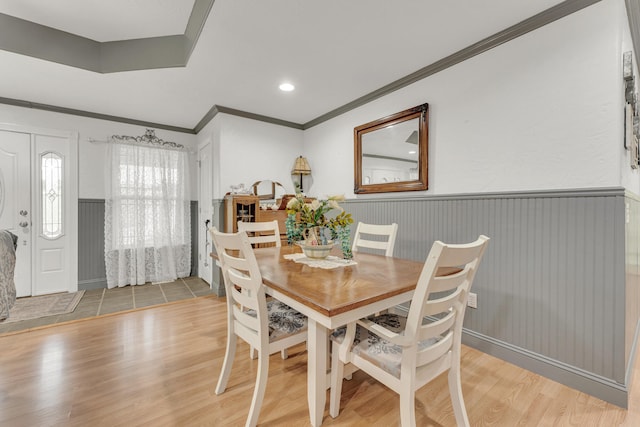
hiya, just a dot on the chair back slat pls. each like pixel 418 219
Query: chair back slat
pixel 245 332
pixel 246 320
pixel 263 233
pixel 241 279
pixel 443 304
pixel 458 255
pixel 449 282
pixel 435 351
pixel 243 298
pixel 438 327
pixel 262 240
pixel 370 236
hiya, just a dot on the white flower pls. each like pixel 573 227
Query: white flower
pixel 315 204
pixel 292 204
pixel 333 204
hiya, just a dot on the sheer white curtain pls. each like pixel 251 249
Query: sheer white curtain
pixel 147 220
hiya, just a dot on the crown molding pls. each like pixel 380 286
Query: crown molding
pixel 39 41
pixel 89 114
pixel 216 109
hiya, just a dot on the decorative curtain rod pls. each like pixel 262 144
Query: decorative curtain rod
pixel 149 138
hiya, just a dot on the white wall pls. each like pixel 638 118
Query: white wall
pixel 91 156
pixel 540 112
pixel 629 178
pixel 246 151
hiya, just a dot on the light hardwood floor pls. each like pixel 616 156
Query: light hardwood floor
pixel 159 366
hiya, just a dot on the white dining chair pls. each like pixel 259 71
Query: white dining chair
pixel 406 352
pixel 378 237
pixel 269 327
pixel 264 234
pixel 370 236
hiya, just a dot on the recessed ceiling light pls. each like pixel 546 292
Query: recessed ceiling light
pixel 287 87
pixel 412 152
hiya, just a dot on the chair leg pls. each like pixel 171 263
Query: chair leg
pixel 337 371
pixel 284 354
pixel 407 407
pixel 258 392
pixel 227 364
pixel 457 400
pixel 252 353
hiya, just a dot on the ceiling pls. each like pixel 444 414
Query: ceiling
pixel 333 51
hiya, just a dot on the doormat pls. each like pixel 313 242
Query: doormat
pixel 42 306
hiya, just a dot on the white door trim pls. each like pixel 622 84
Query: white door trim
pixel 205 211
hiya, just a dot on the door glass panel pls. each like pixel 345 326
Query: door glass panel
pixel 51 172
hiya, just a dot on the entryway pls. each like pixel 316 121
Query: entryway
pixel 39 204
pixel 98 302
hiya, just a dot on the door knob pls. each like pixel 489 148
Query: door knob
pixel 23 224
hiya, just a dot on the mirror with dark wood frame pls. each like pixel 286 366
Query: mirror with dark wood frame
pixel 391 153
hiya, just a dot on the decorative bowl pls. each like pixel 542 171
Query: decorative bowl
pixel 316 251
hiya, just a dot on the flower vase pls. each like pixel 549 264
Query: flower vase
pixel 315 244
pixel 315 236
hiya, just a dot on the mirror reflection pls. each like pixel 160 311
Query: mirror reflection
pixel 391 154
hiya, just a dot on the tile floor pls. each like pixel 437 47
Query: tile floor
pixel 96 302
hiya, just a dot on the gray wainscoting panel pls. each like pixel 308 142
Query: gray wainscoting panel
pixel 194 237
pixel 217 283
pixel 91 269
pixel 632 270
pixel 552 282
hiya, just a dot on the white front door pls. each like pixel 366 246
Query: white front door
pixel 15 201
pixel 204 212
pixel 39 203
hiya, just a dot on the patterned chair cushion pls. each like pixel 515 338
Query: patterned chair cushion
pixel 376 350
pixel 284 321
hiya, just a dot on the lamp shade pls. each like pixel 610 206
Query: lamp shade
pixel 301 167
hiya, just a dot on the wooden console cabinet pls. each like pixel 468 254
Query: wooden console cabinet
pixel 240 207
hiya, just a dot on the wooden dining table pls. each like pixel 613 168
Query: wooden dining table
pixel 331 298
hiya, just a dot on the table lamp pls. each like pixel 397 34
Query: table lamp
pixel 301 167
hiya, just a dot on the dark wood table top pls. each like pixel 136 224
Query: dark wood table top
pixel 335 291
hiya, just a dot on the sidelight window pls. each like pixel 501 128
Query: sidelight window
pixel 51 170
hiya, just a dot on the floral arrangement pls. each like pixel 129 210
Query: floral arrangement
pixel 303 216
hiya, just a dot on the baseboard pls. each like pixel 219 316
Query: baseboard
pixel 586 382
pixel 217 284
pixel 87 285
pixel 576 378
